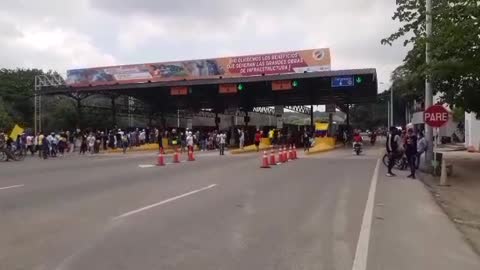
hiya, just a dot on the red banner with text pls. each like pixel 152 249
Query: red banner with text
pixel 227 67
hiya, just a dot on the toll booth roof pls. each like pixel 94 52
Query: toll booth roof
pixel 337 86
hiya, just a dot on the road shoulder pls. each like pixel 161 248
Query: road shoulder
pixel 410 231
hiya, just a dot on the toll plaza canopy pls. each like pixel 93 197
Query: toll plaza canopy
pixel 288 78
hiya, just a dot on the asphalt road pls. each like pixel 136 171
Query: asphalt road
pixel 116 212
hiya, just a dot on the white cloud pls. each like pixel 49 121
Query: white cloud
pixel 52 49
pixel 66 34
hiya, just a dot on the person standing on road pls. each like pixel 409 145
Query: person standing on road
pixel 91 143
pixel 159 139
pixel 183 142
pixel 258 137
pixel 241 138
pixel 411 151
pixel 124 142
pixel 189 141
pixel 306 141
pixel 222 138
pixel 40 144
pixel 392 149
pixel 30 144
pixel 83 144
pixel 45 147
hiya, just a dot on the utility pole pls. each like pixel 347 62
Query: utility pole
pixel 391 105
pixel 428 85
pixel 388 115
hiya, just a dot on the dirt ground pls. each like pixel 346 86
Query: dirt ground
pixel 461 199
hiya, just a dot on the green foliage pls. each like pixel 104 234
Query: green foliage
pixel 370 116
pixel 6 121
pixel 458 115
pixel 59 112
pixel 455 42
pixel 16 90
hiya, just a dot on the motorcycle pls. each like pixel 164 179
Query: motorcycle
pixel 357 148
pixel 373 139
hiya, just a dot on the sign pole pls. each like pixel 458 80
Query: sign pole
pixel 434 163
pixel 434 117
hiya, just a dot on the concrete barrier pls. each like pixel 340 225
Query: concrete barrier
pixel 264 145
pixel 322 144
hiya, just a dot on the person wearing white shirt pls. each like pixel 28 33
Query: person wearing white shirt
pixel 91 143
pixel 30 144
pixel 222 138
pixel 189 141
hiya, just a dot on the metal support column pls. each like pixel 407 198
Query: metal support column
pixel 37 114
pixel 330 125
pixel 312 124
pixel 348 117
pixel 217 122
pixel 79 112
pixel 114 112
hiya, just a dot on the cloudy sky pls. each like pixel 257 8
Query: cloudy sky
pixel 61 34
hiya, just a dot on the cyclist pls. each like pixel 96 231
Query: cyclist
pixel 4 146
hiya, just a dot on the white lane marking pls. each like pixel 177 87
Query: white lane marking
pixel 361 253
pixel 152 165
pixel 163 202
pixel 146 165
pixel 15 186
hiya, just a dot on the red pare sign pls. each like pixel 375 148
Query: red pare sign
pixel 436 116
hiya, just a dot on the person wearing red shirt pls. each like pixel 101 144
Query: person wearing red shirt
pixel 357 139
pixel 258 137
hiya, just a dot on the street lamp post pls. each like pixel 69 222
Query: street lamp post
pixel 428 85
pixel 391 105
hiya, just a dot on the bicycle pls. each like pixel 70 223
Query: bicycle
pixel 19 154
pixel 16 155
pixel 400 163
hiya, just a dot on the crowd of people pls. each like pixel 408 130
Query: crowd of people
pixel 90 141
pixel 405 143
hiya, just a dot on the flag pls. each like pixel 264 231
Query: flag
pixel 17 130
pixel 321 126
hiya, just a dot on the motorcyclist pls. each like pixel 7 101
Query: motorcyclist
pixel 357 140
pixel 373 137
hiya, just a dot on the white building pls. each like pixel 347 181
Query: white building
pixel 472 131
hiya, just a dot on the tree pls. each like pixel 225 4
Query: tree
pixel 6 121
pixel 16 90
pixel 371 116
pixel 455 42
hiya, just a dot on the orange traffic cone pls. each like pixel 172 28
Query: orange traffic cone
pixel 176 157
pixel 160 159
pixel 265 161
pixel 294 152
pixel 280 155
pixel 272 157
pixel 285 157
pixel 190 155
pixel 290 155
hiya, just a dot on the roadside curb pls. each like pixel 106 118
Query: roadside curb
pixel 429 184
